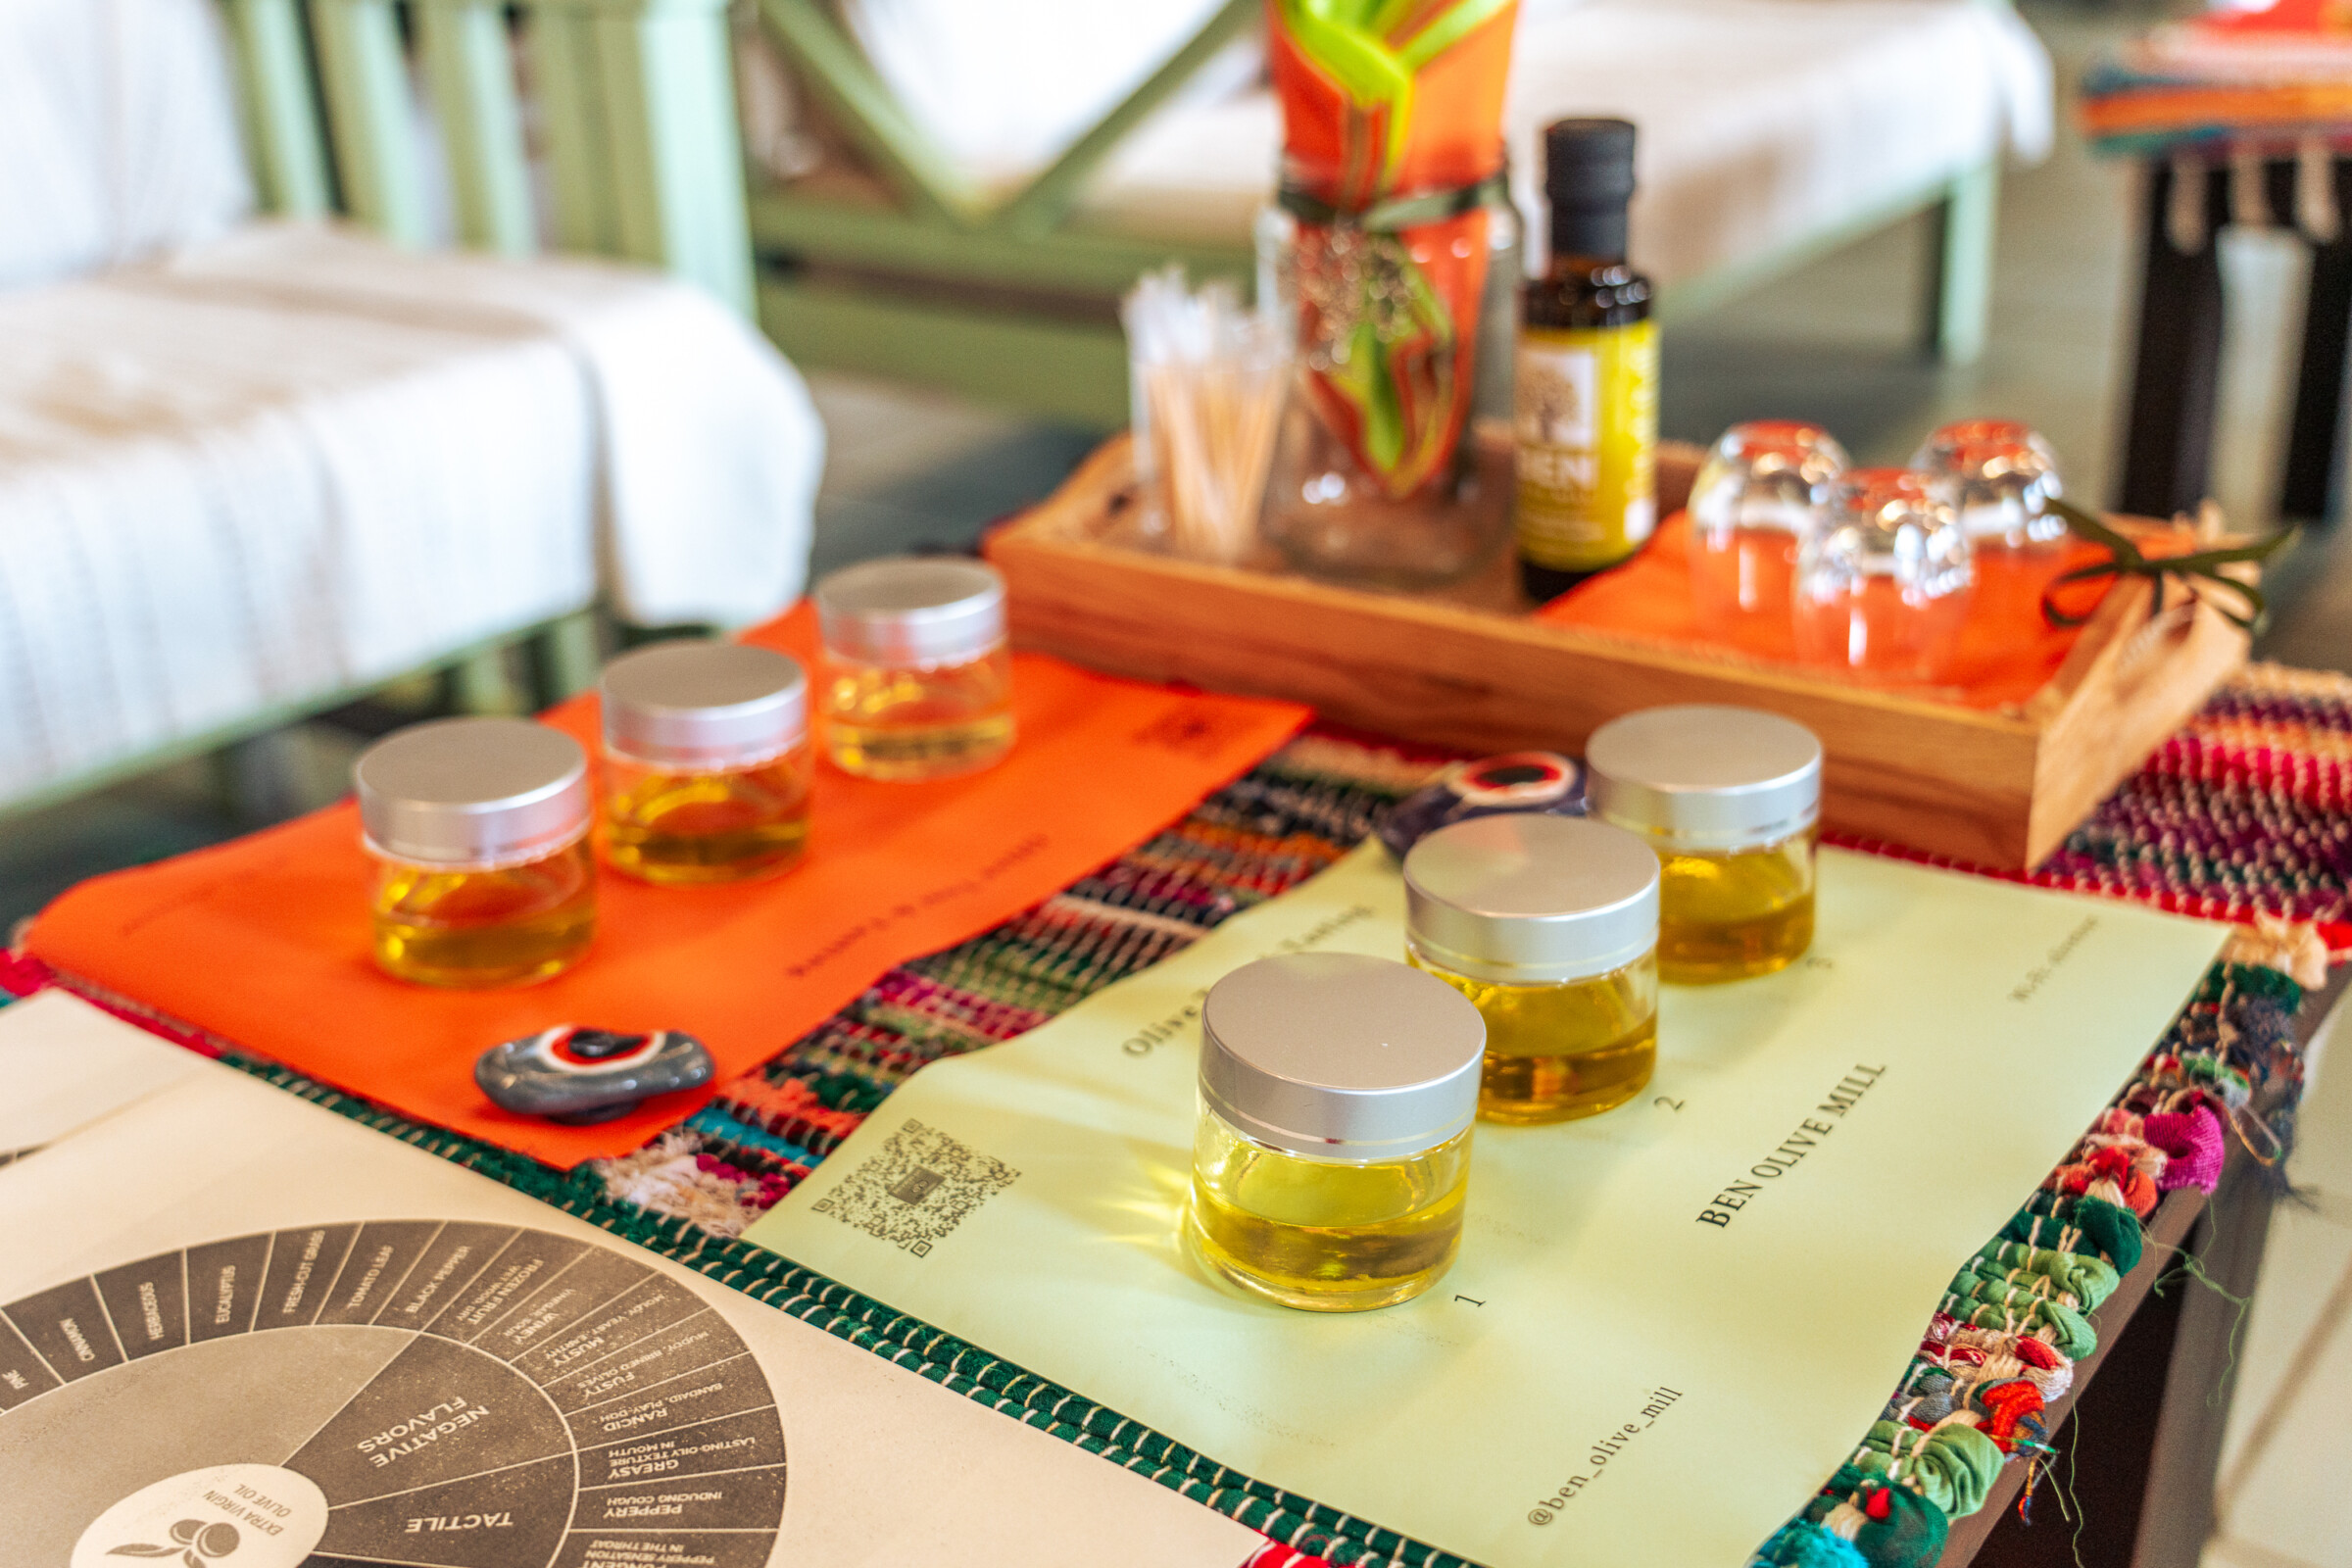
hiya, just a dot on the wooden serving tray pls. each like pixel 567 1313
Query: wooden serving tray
pixel 1469 669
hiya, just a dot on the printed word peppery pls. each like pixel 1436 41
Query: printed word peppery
pixel 660 1505
pixel 1796 1146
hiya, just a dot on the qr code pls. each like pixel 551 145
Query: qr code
pixel 920 1187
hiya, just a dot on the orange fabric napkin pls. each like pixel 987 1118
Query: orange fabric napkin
pixel 264 942
pixel 2007 652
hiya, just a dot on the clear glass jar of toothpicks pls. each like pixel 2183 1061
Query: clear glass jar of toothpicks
pixel 1208 381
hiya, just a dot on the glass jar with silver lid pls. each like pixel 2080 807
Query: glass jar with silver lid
pixel 706 765
pixel 918 674
pixel 1549 926
pixel 480 830
pixel 1333 1152
pixel 1730 799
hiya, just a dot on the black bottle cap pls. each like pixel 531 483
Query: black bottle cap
pixel 1588 178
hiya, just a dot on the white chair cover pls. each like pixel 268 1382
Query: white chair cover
pixel 300 460
pixel 117 135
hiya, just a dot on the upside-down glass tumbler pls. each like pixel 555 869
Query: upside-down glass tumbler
pixel 1883 587
pixel 2000 479
pixel 1756 500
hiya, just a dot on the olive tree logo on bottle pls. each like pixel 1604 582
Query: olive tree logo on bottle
pixel 1555 398
pixel 197 1543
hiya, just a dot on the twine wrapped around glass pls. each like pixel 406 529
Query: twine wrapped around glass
pixel 1393 256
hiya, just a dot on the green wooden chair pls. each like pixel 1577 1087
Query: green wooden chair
pixel 636 106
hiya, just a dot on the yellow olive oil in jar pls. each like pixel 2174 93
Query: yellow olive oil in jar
pixel 1730 799
pixel 480 830
pixel 1549 926
pixel 918 675
pixel 705 762
pixel 1333 1153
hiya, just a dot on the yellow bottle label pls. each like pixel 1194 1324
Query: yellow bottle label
pixel 1587 421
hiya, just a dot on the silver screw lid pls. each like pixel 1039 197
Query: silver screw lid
pixel 472 793
pixel 1342 1056
pixel 1697 777
pixel 912 609
pixel 1526 899
pixel 703 704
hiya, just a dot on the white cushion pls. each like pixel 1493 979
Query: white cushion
pixel 1762 121
pixel 301 460
pixel 117 134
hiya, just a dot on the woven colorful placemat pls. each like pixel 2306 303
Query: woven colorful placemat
pixel 2245 813
pixel 2241 816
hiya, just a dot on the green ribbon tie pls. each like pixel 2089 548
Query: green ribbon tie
pixel 2126 560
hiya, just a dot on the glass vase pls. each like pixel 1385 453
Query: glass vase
pixel 1426 517
pixel 1393 259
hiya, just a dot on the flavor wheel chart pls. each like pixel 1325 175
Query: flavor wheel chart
pixel 424 1393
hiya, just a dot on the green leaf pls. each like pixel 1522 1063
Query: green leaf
pixel 1447 30
pixel 1347 39
pixel 1383 416
pixel 1365 69
pixel 1428 309
pixel 1401 118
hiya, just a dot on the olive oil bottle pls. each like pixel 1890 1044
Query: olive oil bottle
pixel 1586 393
